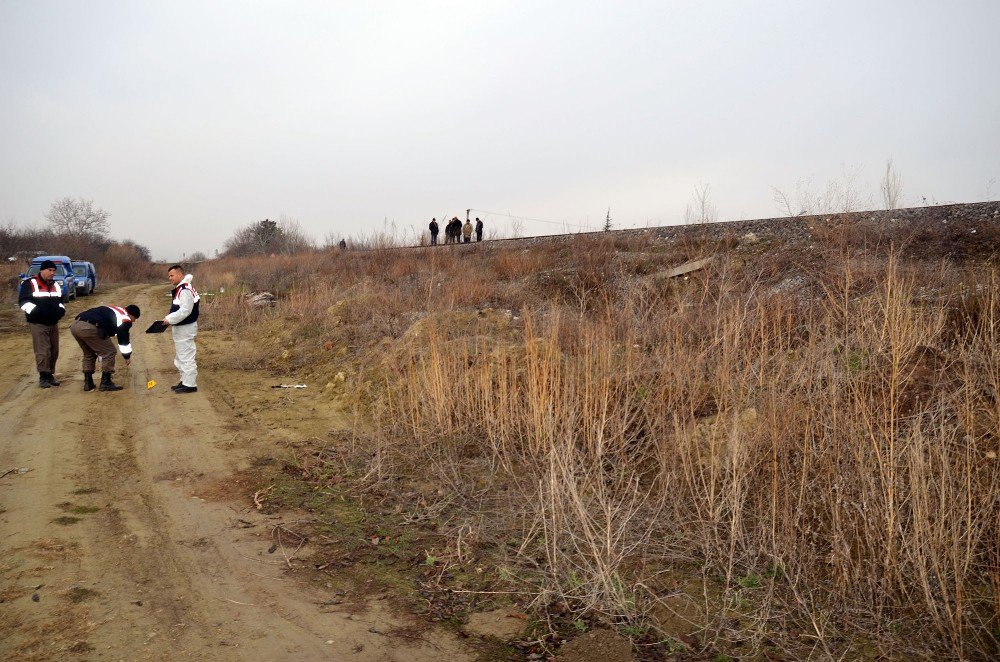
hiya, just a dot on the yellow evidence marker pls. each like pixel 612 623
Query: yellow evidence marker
pixel 150 384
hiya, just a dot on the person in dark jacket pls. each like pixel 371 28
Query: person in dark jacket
pixel 479 229
pixel 40 297
pixel 93 330
pixel 434 231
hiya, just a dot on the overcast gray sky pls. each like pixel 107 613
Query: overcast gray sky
pixel 186 120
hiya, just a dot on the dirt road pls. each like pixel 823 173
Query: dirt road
pixel 110 547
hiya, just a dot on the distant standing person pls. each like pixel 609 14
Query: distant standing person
pixel 40 297
pixel 343 244
pixel 479 229
pixel 433 227
pixel 93 329
pixel 467 231
pixel 183 318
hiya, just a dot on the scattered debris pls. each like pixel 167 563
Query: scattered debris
pixel 688 267
pixel 260 299
pixel 276 536
pixel 259 494
pixel 289 386
pixel 15 470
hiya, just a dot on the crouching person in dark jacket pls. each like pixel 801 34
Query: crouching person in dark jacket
pixel 40 297
pixel 93 330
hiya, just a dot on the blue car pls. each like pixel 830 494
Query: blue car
pixel 85 277
pixel 64 273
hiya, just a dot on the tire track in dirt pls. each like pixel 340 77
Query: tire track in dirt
pixel 149 570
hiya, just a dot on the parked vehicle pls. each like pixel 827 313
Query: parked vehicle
pixel 85 277
pixel 64 273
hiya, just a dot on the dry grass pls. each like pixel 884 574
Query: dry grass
pixel 826 450
pixel 64 631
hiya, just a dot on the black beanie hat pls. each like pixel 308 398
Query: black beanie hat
pixel 132 310
pixel 47 264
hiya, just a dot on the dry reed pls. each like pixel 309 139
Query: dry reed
pixel 838 438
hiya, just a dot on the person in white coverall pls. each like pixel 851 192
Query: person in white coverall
pixel 183 321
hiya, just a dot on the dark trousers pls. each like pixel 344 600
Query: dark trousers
pixel 93 345
pixel 434 239
pixel 479 235
pixel 466 239
pixel 45 342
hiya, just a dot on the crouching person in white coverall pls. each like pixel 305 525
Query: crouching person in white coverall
pixel 183 322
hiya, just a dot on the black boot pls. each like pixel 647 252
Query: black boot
pixel 88 381
pixel 43 381
pixel 107 384
pixel 52 379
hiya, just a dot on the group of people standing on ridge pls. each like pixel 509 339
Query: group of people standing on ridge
pixel 455 231
pixel 40 297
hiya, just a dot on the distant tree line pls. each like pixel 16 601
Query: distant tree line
pixel 79 229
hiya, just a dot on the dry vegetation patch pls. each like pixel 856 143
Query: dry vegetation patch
pixel 789 451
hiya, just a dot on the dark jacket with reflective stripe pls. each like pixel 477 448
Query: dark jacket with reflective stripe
pixel 41 301
pixel 112 321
